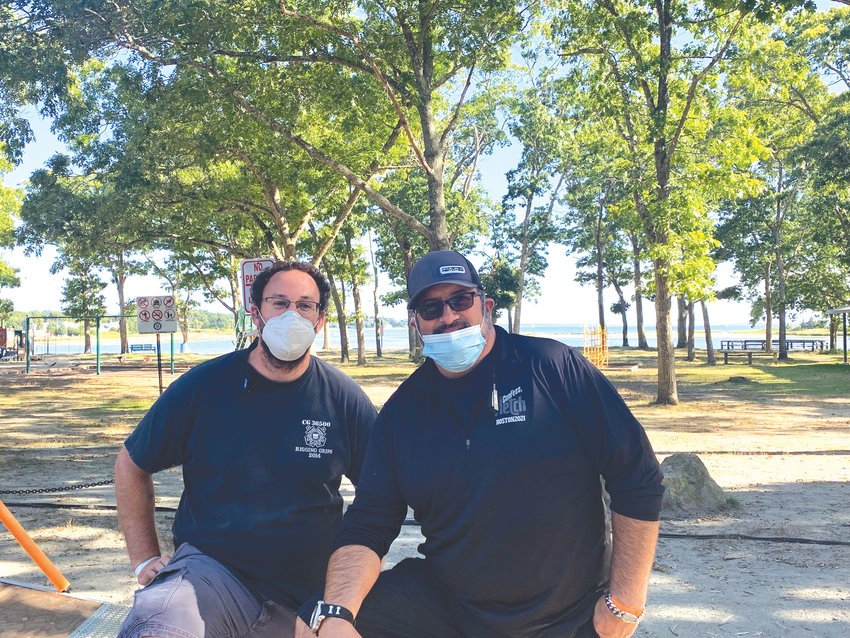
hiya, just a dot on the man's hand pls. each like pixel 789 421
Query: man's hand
pixel 331 628
pixel 607 625
pixel 302 630
pixel 152 569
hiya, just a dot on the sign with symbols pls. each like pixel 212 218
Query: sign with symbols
pixel 156 314
pixel 249 269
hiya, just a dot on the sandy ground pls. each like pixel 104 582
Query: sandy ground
pixel 786 462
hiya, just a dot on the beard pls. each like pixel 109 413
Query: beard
pixel 280 364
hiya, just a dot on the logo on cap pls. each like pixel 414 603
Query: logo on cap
pixel 448 270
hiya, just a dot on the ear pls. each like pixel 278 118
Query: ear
pixel 320 323
pixel 488 306
pixel 255 317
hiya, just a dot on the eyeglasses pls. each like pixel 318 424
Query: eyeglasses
pixel 302 306
pixel 431 310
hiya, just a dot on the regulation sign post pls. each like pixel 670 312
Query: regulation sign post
pixel 249 269
pixel 156 315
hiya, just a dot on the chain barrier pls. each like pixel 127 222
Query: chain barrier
pixel 65 488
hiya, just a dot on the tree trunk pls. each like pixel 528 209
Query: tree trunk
pixel 709 344
pixel 326 336
pixel 358 314
pixel 833 332
pixel 120 278
pixel 637 277
pixel 379 323
pixel 667 391
pixel 340 315
pixel 622 313
pixel 780 267
pixel 600 266
pixel 415 344
pixel 783 344
pixel 86 337
pixel 523 264
pixel 768 309
pixel 510 321
pixel 682 322
pixel 691 330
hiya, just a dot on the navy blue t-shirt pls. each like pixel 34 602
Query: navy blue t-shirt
pixel 509 500
pixel 262 463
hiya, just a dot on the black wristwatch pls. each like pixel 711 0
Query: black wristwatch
pixel 324 610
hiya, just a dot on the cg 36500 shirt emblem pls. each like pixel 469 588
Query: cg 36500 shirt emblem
pixel 315 436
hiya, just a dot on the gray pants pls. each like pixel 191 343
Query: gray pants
pixel 195 596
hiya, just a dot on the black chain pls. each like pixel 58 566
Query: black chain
pixel 66 488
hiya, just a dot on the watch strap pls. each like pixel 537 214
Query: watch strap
pixel 324 610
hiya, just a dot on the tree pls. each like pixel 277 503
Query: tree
pixel 85 219
pixel 533 187
pixel 10 204
pixel 82 293
pixel 367 69
pixel 783 99
pixel 653 67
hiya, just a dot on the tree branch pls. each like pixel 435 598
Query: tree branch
pixel 375 71
pixel 674 140
pixel 334 165
pixel 456 114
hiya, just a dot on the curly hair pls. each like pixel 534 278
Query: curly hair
pixel 259 285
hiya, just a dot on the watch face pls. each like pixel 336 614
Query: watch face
pixel 317 618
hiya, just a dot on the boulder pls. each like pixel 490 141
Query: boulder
pixel 689 490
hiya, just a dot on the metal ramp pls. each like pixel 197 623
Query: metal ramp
pixel 30 611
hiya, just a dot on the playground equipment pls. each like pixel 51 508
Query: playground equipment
pixel 34 551
pixel 30 350
pixel 596 346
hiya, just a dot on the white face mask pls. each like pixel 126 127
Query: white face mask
pixel 288 336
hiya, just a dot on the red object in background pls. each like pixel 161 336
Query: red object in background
pixel 2 337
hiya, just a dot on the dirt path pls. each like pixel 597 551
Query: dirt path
pixel 786 461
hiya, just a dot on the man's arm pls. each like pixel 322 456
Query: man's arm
pixel 134 495
pixel 352 571
pixel 631 563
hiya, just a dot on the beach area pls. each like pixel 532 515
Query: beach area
pixel 775 437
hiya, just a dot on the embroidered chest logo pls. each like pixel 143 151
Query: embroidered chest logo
pixel 512 407
pixel 315 437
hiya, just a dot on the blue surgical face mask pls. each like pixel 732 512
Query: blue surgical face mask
pixel 455 351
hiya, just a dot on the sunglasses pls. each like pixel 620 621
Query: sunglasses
pixel 431 310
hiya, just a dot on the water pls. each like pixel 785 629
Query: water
pixel 395 338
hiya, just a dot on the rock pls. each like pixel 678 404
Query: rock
pixel 689 489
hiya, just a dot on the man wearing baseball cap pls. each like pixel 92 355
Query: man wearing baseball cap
pixel 498 444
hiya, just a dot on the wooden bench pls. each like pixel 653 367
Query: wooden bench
pixel 142 347
pixel 761 354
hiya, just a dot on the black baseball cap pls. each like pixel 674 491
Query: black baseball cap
pixel 439 267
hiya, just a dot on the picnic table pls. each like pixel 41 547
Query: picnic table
pixel 759 344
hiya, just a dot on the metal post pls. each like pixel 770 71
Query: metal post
pixel 844 321
pixel 27 343
pixel 159 361
pixel 97 344
pixel 172 353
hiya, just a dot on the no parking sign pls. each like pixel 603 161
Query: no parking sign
pixel 156 314
pixel 249 269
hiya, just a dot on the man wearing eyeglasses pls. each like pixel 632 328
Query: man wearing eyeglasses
pixel 497 443
pixel 264 436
